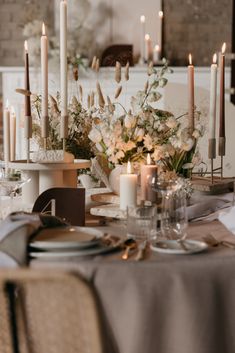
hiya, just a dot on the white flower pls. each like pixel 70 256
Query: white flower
pixel 129 146
pixel 148 142
pixel 139 133
pixel 129 121
pixel 95 135
pixel 188 144
pixel 196 134
pixel 171 122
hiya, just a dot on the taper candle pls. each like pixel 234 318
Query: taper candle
pixel 6 134
pixel 160 39
pixel 128 188
pixel 142 39
pixel 148 48
pixel 44 81
pixel 213 90
pixel 156 54
pixel 212 111
pixel 27 83
pixel 148 171
pixel 12 135
pixel 190 95
pixel 222 115
pixel 63 69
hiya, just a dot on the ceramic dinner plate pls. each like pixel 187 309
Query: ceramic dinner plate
pixel 67 238
pixel 98 250
pixel 175 248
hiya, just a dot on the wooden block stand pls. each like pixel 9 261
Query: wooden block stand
pixel 219 186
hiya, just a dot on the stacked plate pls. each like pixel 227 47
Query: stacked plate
pixel 69 242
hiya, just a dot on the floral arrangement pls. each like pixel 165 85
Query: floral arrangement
pixel 79 127
pixel 143 129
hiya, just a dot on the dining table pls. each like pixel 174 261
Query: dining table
pixel 166 303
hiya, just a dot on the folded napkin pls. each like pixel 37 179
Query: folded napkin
pixel 228 219
pixel 16 231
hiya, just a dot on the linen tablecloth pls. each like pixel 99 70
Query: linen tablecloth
pixel 165 304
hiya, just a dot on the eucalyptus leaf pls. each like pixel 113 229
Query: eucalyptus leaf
pixel 162 82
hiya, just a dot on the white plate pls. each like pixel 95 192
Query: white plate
pixel 67 238
pixel 101 249
pixel 175 248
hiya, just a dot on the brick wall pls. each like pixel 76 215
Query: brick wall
pixel 196 26
pixel 13 14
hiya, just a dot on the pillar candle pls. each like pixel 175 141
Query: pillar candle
pixel 44 81
pixel 63 67
pixel 13 135
pixel 221 71
pixel 190 95
pixel 128 189
pixel 28 118
pixel 148 171
pixel 142 38
pixel 160 40
pixel 6 134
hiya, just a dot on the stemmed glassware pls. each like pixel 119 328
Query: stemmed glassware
pixel 10 185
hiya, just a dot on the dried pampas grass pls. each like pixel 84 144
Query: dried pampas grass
pixel 118 73
pixel 100 96
pixel 118 92
pixel 127 71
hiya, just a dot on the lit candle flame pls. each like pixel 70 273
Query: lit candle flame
pixel 214 58
pixel 142 19
pixel 26 46
pixel 147 37
pixel 160 14
pixel 128 169
pixel 157 48
pixel 190 59
pixel 148 159
pixel 223 48
pixel 43 29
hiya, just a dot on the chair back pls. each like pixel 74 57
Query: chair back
pixel 66 203
pixel 47 312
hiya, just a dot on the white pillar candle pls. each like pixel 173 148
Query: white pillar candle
pixel 13 135
pixel 190 95
pixel 63 67
pixel 6 134
pixel 160 15
pixel 44 81
pixel 128 189
pixel 213 90
pixel 142 39
pixel 156 54
pixel 148 171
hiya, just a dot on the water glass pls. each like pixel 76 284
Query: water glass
pixel 174 215
pixel 141 222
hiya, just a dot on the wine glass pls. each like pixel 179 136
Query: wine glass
pixel 10 184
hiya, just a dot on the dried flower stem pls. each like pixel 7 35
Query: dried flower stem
pixel 93 64
pixel 80 92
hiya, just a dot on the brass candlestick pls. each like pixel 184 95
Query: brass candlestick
pixel 222 142
pixel 64 129
pixel 212 156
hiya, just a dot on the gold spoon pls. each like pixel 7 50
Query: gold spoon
pixel 130 245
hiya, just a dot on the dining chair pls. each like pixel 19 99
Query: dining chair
pixel 66 203
pixel 47 311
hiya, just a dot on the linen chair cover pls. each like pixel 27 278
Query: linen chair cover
pixel 47 312
pixel 69 204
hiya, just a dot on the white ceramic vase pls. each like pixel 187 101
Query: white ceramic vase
pixel 114 178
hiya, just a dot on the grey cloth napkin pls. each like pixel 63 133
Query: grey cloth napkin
pixel 16 231
pixel 203 206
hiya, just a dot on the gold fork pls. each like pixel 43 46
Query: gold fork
pixel 212 241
